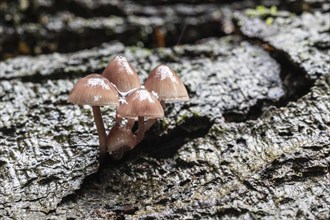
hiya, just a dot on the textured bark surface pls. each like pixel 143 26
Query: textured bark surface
pixel 66 26
pixel 253 141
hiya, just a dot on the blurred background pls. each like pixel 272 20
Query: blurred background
pixel 32 27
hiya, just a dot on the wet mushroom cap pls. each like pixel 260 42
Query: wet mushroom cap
pixel 94 90
pixel 119 137
pixel 140 103
pixel 166 83
pixel 121 73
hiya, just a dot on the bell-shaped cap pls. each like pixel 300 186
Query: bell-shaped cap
pixel 166 83
pixel 121 73
pixel 120 138
pixel 141 103
pixel 94 90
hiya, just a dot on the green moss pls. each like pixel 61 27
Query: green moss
pixel 262 11
pixel 133 49
pixel 165 123
pixel 144 51
pixel 269 20
pixel 183 117
pixel 217 130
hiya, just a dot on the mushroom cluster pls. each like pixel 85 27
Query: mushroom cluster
pixel 119 87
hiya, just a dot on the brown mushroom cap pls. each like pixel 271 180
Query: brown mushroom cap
pixel 141 103
pixel 120 137
pixel 94 90
pixel 121 73
pixel 166 83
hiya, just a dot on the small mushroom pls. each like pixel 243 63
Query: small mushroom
pixel 168 86
pixel 121 73
pixel 119 140
pixel 95 90
pixel 119 86
pixel 166 83
pixel 140 104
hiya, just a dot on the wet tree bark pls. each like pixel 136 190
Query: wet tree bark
pixel 253 142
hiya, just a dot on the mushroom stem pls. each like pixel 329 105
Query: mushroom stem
pixel 100 130
pixel 141 130
pixel 150 122
pixel 130 123
pixel 118 120
pixel 162 102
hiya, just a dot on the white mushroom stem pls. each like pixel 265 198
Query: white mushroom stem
pixel 141 130
pixel 100 130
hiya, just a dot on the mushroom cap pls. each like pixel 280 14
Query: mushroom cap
pixel 121 73
pixel 166 83
pixel 120 137
pixel 141 103
pixel 94 90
